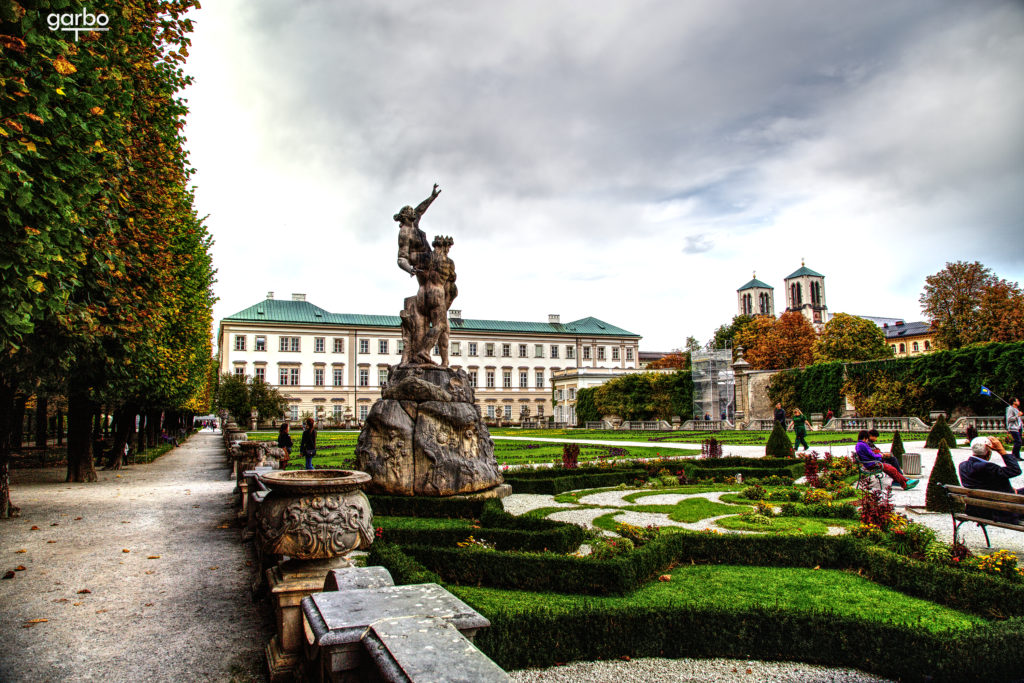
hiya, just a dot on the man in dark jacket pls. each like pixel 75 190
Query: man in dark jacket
pixel 780 415
pixel 978 472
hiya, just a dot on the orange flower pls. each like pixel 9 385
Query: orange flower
pixel 96 111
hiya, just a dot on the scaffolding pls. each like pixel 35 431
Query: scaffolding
pixel 714 385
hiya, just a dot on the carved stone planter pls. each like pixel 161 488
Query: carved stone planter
pixel 315 518
pixel 315 514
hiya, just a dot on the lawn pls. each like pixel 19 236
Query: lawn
pixel 732 437
pixel 694 586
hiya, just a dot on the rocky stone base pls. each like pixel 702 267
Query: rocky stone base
pixel 425 437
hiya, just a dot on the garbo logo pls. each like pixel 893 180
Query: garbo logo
pixel 85 21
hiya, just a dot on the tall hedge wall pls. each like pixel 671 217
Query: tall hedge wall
pixel 948 379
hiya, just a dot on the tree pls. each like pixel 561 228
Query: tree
pixel 674 359
pixel 725 335
pixel 692 345
pixel 850 338
pixel 942 473
pixel 267 400
pixel 645 395
pixel 772 344
pixel 940 432
pixel 778 445
pixel 897 448
pixel 586 411
pixel 967 304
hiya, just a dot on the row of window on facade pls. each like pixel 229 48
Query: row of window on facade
pixel 338 412
pixel 796 294
pixel 764 304
pixel 914 346
pixel 290 377
pixel 293 344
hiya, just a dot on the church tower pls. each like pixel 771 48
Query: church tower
pixel 756 298
pixel 805 292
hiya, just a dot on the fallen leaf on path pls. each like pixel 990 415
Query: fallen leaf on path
pixel 150 571
pixel 84 591
pixel 665 577
pixel 77 604
pixel 34 528
pixel 32 622
pixel 224 526
pixel 125 550
pixel 55 524
pixel 750 671
pixel 61 600
pixel 100 611
pixel 195 506
pixel 153 557
pixel 51 541
pixel 214 567
pixel 20 568
pixel 124 522
pixel 21 551
pixel 148 604
pixel 9 574
pixel 77 518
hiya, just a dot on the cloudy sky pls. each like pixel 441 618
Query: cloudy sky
pixel 632 161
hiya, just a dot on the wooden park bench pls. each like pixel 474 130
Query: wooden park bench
pixel 980 498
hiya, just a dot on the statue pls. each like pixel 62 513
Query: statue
pixel 425 315
pixel 425 436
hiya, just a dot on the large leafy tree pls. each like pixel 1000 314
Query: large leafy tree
pixel 105 273
pixel 725 335
pixel 849 338
pixel 968 303
pixel 674 359
pixel 774 344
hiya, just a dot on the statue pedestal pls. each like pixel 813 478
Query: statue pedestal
pixel 425 437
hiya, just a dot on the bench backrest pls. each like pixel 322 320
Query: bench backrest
pixel 994 500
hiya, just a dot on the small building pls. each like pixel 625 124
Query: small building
pixel 805 293
pixel 756 298
pixel 909 339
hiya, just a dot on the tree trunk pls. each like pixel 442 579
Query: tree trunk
pixel 140 433
pixel 6 429
pixel 60 427
pixel 124 423
pixel 80 461
pixel 152 428
pixel 41 420
pixel 18 423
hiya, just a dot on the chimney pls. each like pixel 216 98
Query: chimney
pixel 899 322
pixel 455 314
pixel 554 319
pixel 298 297
pixel 270 295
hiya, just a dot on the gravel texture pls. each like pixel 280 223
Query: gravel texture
pixel 653 670
pixel 113 615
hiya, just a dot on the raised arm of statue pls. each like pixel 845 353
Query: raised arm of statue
pixel 425 204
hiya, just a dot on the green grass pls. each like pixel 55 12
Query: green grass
pixel 808 526
pixel 711 585
pixel 732 437
pixel 689 510
pixel 689 488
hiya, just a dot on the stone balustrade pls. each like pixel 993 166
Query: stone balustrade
pixel 983 423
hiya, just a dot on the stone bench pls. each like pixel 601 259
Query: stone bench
pixel 426 649
pixel 337 623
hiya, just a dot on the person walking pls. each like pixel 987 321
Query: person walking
pixel 284 442
pixel 1013 424
pixel 308 444
pixel 800 429
pixel 780 415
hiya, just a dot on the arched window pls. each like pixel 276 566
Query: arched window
pixel 799 294
pixel 893 347
pixel 927 345
pixel 915 347
pixel 903 348
pixel 792 296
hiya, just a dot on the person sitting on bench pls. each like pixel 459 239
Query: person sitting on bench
pixel 871 458
pixel 978 472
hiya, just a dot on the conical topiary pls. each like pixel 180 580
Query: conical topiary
pixel 897 448
pixel 940 432
pixel 778 445
pixel 942 473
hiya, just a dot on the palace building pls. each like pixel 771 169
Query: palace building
pixel 333 365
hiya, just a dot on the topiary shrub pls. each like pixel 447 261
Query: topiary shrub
pixel 943 473
pixel 778 445
pixel 940 432
pixel 897 448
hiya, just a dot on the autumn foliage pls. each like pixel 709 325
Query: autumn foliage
pixel 773 344
pixel 106 278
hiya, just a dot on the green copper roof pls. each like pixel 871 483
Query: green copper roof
pixel 804 270
pixel 284 311
pixel 755 283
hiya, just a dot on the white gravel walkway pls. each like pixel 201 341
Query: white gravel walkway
pixel 138 576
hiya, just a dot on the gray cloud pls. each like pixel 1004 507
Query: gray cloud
pixel 697 244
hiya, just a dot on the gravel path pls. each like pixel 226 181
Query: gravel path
pixel 654 670
pixel 121 616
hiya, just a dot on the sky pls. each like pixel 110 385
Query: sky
pixel 632 161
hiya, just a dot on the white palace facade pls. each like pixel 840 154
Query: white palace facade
pixel 333 365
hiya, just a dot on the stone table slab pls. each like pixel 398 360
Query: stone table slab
pixel 427 650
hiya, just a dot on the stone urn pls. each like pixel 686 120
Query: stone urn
pixel 315 514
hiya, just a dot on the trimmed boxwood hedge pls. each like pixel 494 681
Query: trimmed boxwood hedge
pixel 958 588
pixel 522 637
pixel 425 506
pixel 557 480
pixel 750 468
